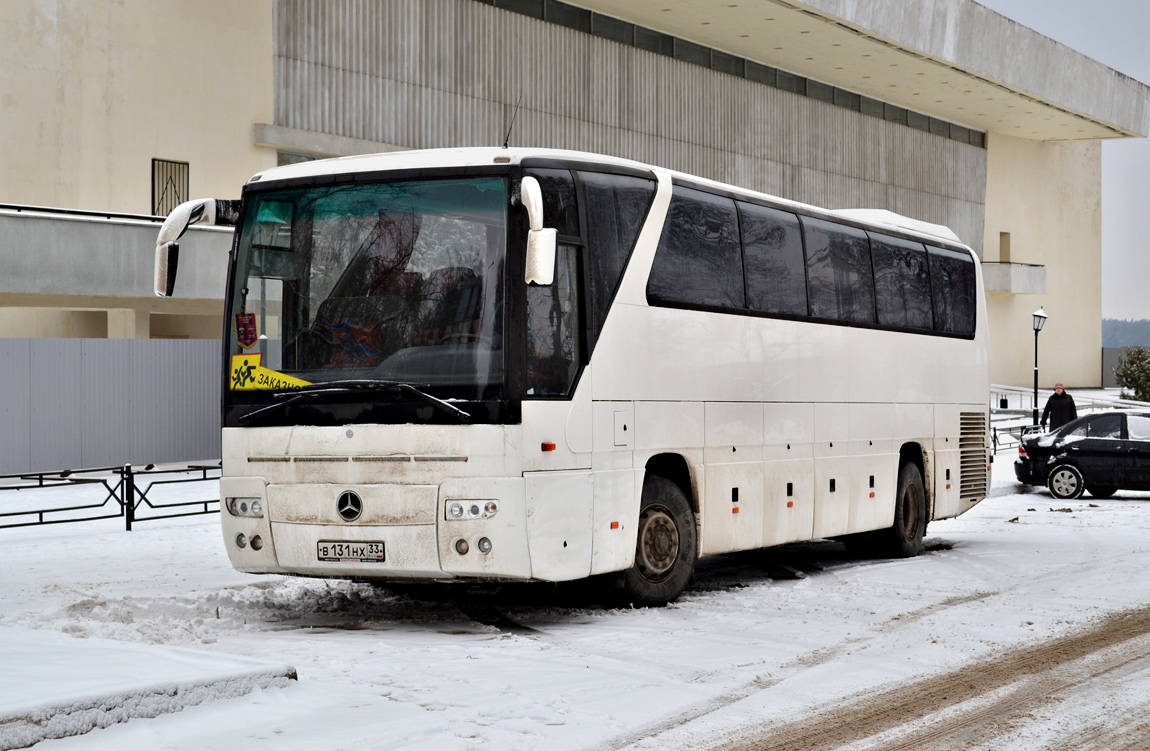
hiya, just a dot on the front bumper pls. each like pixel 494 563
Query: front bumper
pixel 409 520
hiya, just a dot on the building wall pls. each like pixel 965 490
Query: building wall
pixel 1048 196
pixel 432 73
pixel 92 277
pixel 91 92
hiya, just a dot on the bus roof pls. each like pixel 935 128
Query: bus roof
pixel 489 155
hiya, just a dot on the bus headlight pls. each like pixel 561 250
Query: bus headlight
pixel 253 507
pixel 457 510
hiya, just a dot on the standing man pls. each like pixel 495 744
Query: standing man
pixel 1059 408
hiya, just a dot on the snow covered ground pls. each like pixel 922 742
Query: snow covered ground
pixel 1023 627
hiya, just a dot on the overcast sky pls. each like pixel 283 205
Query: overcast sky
pixel 1114 32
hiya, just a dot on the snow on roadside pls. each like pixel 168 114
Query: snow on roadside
pixel 412 668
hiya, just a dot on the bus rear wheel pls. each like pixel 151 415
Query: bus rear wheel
pixel 664 546
pixel 904 538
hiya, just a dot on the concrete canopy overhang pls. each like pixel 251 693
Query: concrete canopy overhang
pixel 951 59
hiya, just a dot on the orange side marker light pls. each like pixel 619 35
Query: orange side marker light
pixel 872 494
pixel 735 510
pixel 790 504
pixel 548 446
pixel 614 525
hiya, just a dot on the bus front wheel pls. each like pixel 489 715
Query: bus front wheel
pixel 665 545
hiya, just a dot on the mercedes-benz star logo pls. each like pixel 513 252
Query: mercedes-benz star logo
pixel 349 506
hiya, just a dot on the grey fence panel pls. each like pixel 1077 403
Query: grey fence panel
pixel 175 388
pixel 57 404
pixel 107 415
pixel 72 403
pixel 15 407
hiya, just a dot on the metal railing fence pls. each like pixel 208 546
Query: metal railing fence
pixel 136 495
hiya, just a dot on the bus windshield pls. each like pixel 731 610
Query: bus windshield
pixel 392 281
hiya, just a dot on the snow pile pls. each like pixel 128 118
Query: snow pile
pixel 54 686
pixel 25 727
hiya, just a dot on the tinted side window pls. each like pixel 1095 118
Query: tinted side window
pixel 902 283
pixel 1138 427
pixel 616 207
pixel 560 209
pixel 1105 426
pixel 953 284
pixel 841 285
pixel 773 260
pixel 698 261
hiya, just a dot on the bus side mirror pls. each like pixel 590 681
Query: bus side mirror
pixel 541 242
pixel 205 210
pixel 167 256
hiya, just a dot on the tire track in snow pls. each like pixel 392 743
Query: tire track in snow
pixel 1044 668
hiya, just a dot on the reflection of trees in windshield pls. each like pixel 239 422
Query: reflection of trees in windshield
pixel 404 283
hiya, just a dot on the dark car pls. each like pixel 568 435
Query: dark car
pixel 1098 453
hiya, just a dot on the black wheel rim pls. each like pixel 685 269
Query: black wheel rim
pixel 658 545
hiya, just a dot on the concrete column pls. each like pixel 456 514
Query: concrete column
pixel 129 323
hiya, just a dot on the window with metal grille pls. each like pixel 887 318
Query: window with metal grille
pixel 169 185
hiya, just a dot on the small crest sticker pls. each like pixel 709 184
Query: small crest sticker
pixel 246 333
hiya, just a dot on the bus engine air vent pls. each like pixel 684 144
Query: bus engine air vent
pixel 973 451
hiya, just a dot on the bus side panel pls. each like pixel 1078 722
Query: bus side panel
pixel 733 507
pixel 873 481
pixel 874 467
pixel 734 502
pixel 947 500
pixel 614 526
pixel 565 424
pixel 789 501
pixel 832 470
pixel 559 510
pixel 788 472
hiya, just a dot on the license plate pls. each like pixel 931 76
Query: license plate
pixel 370 551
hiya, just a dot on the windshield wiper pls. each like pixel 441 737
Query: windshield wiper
pixel 352 386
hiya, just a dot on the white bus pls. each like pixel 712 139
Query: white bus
pixel 527 364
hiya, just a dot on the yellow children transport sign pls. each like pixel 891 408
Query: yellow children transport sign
pixel 249 375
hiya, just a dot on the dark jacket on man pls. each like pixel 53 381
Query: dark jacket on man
pixel 1060 410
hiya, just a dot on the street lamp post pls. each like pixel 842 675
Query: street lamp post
pixel 1039 320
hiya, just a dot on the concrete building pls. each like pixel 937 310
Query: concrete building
pixel 939 109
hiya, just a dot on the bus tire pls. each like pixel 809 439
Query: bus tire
pixel 904 538
pixel 664 546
